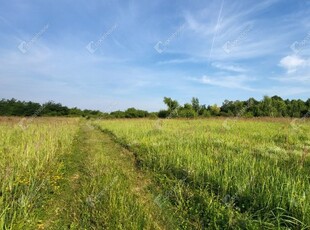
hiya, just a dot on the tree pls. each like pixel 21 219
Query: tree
pixel 206 113
pixel 266 107
pixel 297 108
pixel 195 104
pixel 54 109
pixel 279 106
pixel 75 112
pixel 308 103
pixel 172 104
pixel 163 114
pixel 253 107
pixel 240 108
pixel 188 106
pixel 118 114
pixel 187 111
pixel 135 113
pixel 31 108
pixel 227 106
pixel 214 110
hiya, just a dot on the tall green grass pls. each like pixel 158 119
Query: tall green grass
pixel 253 174
pixel 30 171
pixel 209 174
pixel 105 196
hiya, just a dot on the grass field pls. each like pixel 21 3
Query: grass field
pixel 66 173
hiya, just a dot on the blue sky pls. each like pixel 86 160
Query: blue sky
pixel 112 55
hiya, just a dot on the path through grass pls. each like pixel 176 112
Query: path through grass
pixel 101 188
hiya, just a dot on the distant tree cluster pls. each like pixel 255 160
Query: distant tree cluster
pixel 14 107
pixel 268 107
pixel 129 113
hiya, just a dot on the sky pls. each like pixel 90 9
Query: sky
pixel 111 55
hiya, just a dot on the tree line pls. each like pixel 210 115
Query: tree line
pixel 267 107
pixel 13 107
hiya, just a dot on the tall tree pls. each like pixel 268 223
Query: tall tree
pixel 172 104
pixel 195 104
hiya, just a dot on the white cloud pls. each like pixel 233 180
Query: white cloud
pixel 229 67
pixel 292 62
pixel 298 70
pixel 233 82
pixel 181 61
pixel 242 82
pixel 59 67
pixel 249 37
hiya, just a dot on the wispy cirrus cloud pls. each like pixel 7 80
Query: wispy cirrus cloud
pixel 126 66
pixel 233 82
pixel 233 22
pixel 229 67
pixel 299 79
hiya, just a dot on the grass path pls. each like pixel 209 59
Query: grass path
pixel 101 188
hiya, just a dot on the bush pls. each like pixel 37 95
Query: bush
pixel 188 113
pixel 206 113
pixel 163 114
pixel 249 115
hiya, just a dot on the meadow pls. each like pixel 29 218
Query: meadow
pixel 226 173
pixel 61 173
pixel 30 170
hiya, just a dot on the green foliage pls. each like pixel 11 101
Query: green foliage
pixel 268 107
pixel 206 113
pixel 195 104
pixel 153 116
pixel 53 109
pixel 14 107
pixel 172 104
pixel 187 113
pixel 18 108
pixel 163 114
pixel 118 114
pixel 135 113
pixel 214 110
